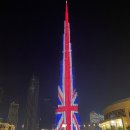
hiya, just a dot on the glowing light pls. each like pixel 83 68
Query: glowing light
pixel 64 125
pixel 22 126
pixel 119 122
pixel 113 123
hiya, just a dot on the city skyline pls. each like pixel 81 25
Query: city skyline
pixel 31 41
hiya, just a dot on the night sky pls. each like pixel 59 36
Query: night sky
pixel 31 41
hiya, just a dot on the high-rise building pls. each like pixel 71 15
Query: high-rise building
pixel 95 118
pixel 13 114
pixel 67 116
pixel 31 119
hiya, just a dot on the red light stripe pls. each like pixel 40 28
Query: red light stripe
pixel 71 108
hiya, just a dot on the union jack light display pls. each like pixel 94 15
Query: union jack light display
pixel 67 117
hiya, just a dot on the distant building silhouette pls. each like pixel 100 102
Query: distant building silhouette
pixel 1 94
pixel 31 119
pixel 13 114
pixel 47 114
pixel 1 120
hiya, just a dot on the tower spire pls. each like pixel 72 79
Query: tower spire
pixel 66 13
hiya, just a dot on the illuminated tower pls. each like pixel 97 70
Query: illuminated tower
pixel 31 120
pixel 67 116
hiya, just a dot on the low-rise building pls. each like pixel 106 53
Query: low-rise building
pixel 117 116
pixel 6 126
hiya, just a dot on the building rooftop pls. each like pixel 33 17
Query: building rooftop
pixel 119 101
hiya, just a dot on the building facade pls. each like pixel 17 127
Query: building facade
pixel 31 119
pixel 13 114
pixel 117 116
pixel 6 126
pixel 95 118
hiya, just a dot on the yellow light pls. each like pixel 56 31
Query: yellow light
pixel 108 125
pixel 119 122
pixel 112 122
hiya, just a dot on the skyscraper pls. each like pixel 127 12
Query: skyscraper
pixel 13 114
pixel 31 119
pixel 67 116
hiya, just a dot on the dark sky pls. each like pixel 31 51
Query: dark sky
pixel 31 41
